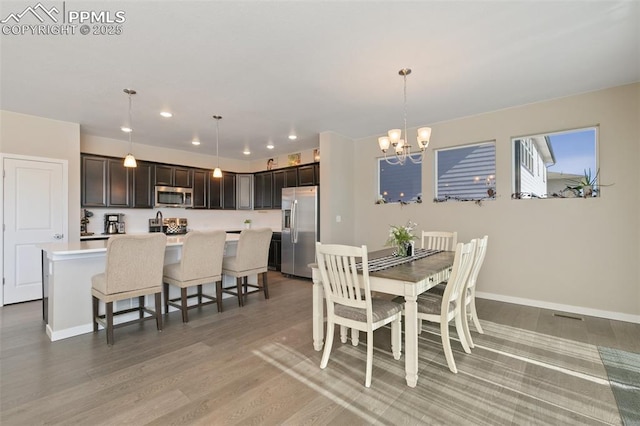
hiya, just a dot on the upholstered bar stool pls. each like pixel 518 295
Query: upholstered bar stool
pixel 133 269
pixel 251 258
pixel 201 263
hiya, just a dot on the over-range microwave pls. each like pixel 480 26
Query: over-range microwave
pixel 173 196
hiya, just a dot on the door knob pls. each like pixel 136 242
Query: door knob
pixel 58 236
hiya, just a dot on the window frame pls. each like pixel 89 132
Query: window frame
pixel 382 198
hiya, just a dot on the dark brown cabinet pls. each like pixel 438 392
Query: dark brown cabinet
pixel 142 182
pixel 105 182
pixel 93 181
pixel 263 190
pixel 274 262
pixel 118 190
pixel 200 188
pixel 173 175
pixel 284 178
pixel 307 175
pixel 222 191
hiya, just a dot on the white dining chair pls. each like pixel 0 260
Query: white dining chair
pixel 443 308
pixel 349 302
pixel 439 240
pixel 470 290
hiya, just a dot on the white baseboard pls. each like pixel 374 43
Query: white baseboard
pixel 68 332
pixel 560 307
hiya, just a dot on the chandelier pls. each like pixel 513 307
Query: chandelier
pixel 217 173
pixel 129 160
pixel 401 147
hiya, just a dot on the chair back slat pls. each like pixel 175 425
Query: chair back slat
pixel 342 283
pixel 462 263
pixel 481 251
pixel 439 240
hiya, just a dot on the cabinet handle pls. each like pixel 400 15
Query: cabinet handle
pixel 58 236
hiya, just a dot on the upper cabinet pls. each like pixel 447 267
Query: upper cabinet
pixel 244 196
pixel 283 178
pixel 105 182
pixel 263 190
pixel 222 191
pixel 169 175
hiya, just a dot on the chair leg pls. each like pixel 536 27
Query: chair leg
pixel 265 285
pixel 141 306
pixel 245 283
pixel 95 314
pixel 239 287
pixel 200 294
pixel 166 297
pixel 474 315
pixel 158 311
pixel 367 380
pixel 183 304
pixel 446 345
pixel 343 333
pixel 109 318
pixel 465 327
pixel 327 343
pixel 462 335
pixel 396 338
pixel 355 337
pixel 219 295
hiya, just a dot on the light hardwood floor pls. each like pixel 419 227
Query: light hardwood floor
pixel 256 365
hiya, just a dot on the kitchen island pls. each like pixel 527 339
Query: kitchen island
pixel 67 269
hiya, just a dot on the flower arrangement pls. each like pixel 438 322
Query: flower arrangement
pixel 401 237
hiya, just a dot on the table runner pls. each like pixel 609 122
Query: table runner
pixel 389 261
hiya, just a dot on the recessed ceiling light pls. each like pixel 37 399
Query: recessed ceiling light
pixel 270 146
pixel 126 129
pixel 195 142
pixel 293 137
pixel 166 114
pixel 246 152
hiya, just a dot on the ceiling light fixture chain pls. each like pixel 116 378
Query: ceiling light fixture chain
pixel 401 146
pixel 217 173
pixel 130 160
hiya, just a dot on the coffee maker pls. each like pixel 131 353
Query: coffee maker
pixel 114 223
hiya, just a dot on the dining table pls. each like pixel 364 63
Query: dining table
pixel 407 277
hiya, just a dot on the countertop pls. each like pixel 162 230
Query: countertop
pixel 99 246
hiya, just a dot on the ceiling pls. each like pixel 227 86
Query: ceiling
pixel 276 68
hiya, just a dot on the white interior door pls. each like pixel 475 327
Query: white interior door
pixel 34 211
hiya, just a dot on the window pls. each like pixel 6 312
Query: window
pixel 563 158
pixel 399 183
pixel 466 173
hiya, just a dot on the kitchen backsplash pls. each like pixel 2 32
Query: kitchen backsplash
pixel 137 220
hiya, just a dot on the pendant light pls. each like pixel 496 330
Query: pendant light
pixel 129 160
pixel 217 173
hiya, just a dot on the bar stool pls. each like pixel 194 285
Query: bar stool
pixel 251 258
pixel 201 263
pixel 133 269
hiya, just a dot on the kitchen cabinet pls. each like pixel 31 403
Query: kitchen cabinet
pixel 274 263
pixel 105 182
pixel 142 182
pixel 118 190
pixel 169 175
pixel 244 197
pixel 284 178
pixel 200 188
pixel 222 191
pixel 93 181
pixel 263 190
pixel 307 175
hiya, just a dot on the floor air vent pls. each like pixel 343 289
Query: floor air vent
pixel 568 316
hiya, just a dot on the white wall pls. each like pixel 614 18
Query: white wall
pixel 579 255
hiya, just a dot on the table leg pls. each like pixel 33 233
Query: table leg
pixel 411 340
pixel 318 313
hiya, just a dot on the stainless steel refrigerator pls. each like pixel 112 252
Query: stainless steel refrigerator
pixel 300 229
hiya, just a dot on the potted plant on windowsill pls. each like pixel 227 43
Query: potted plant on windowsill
pixel 588 185
pixel 247 223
